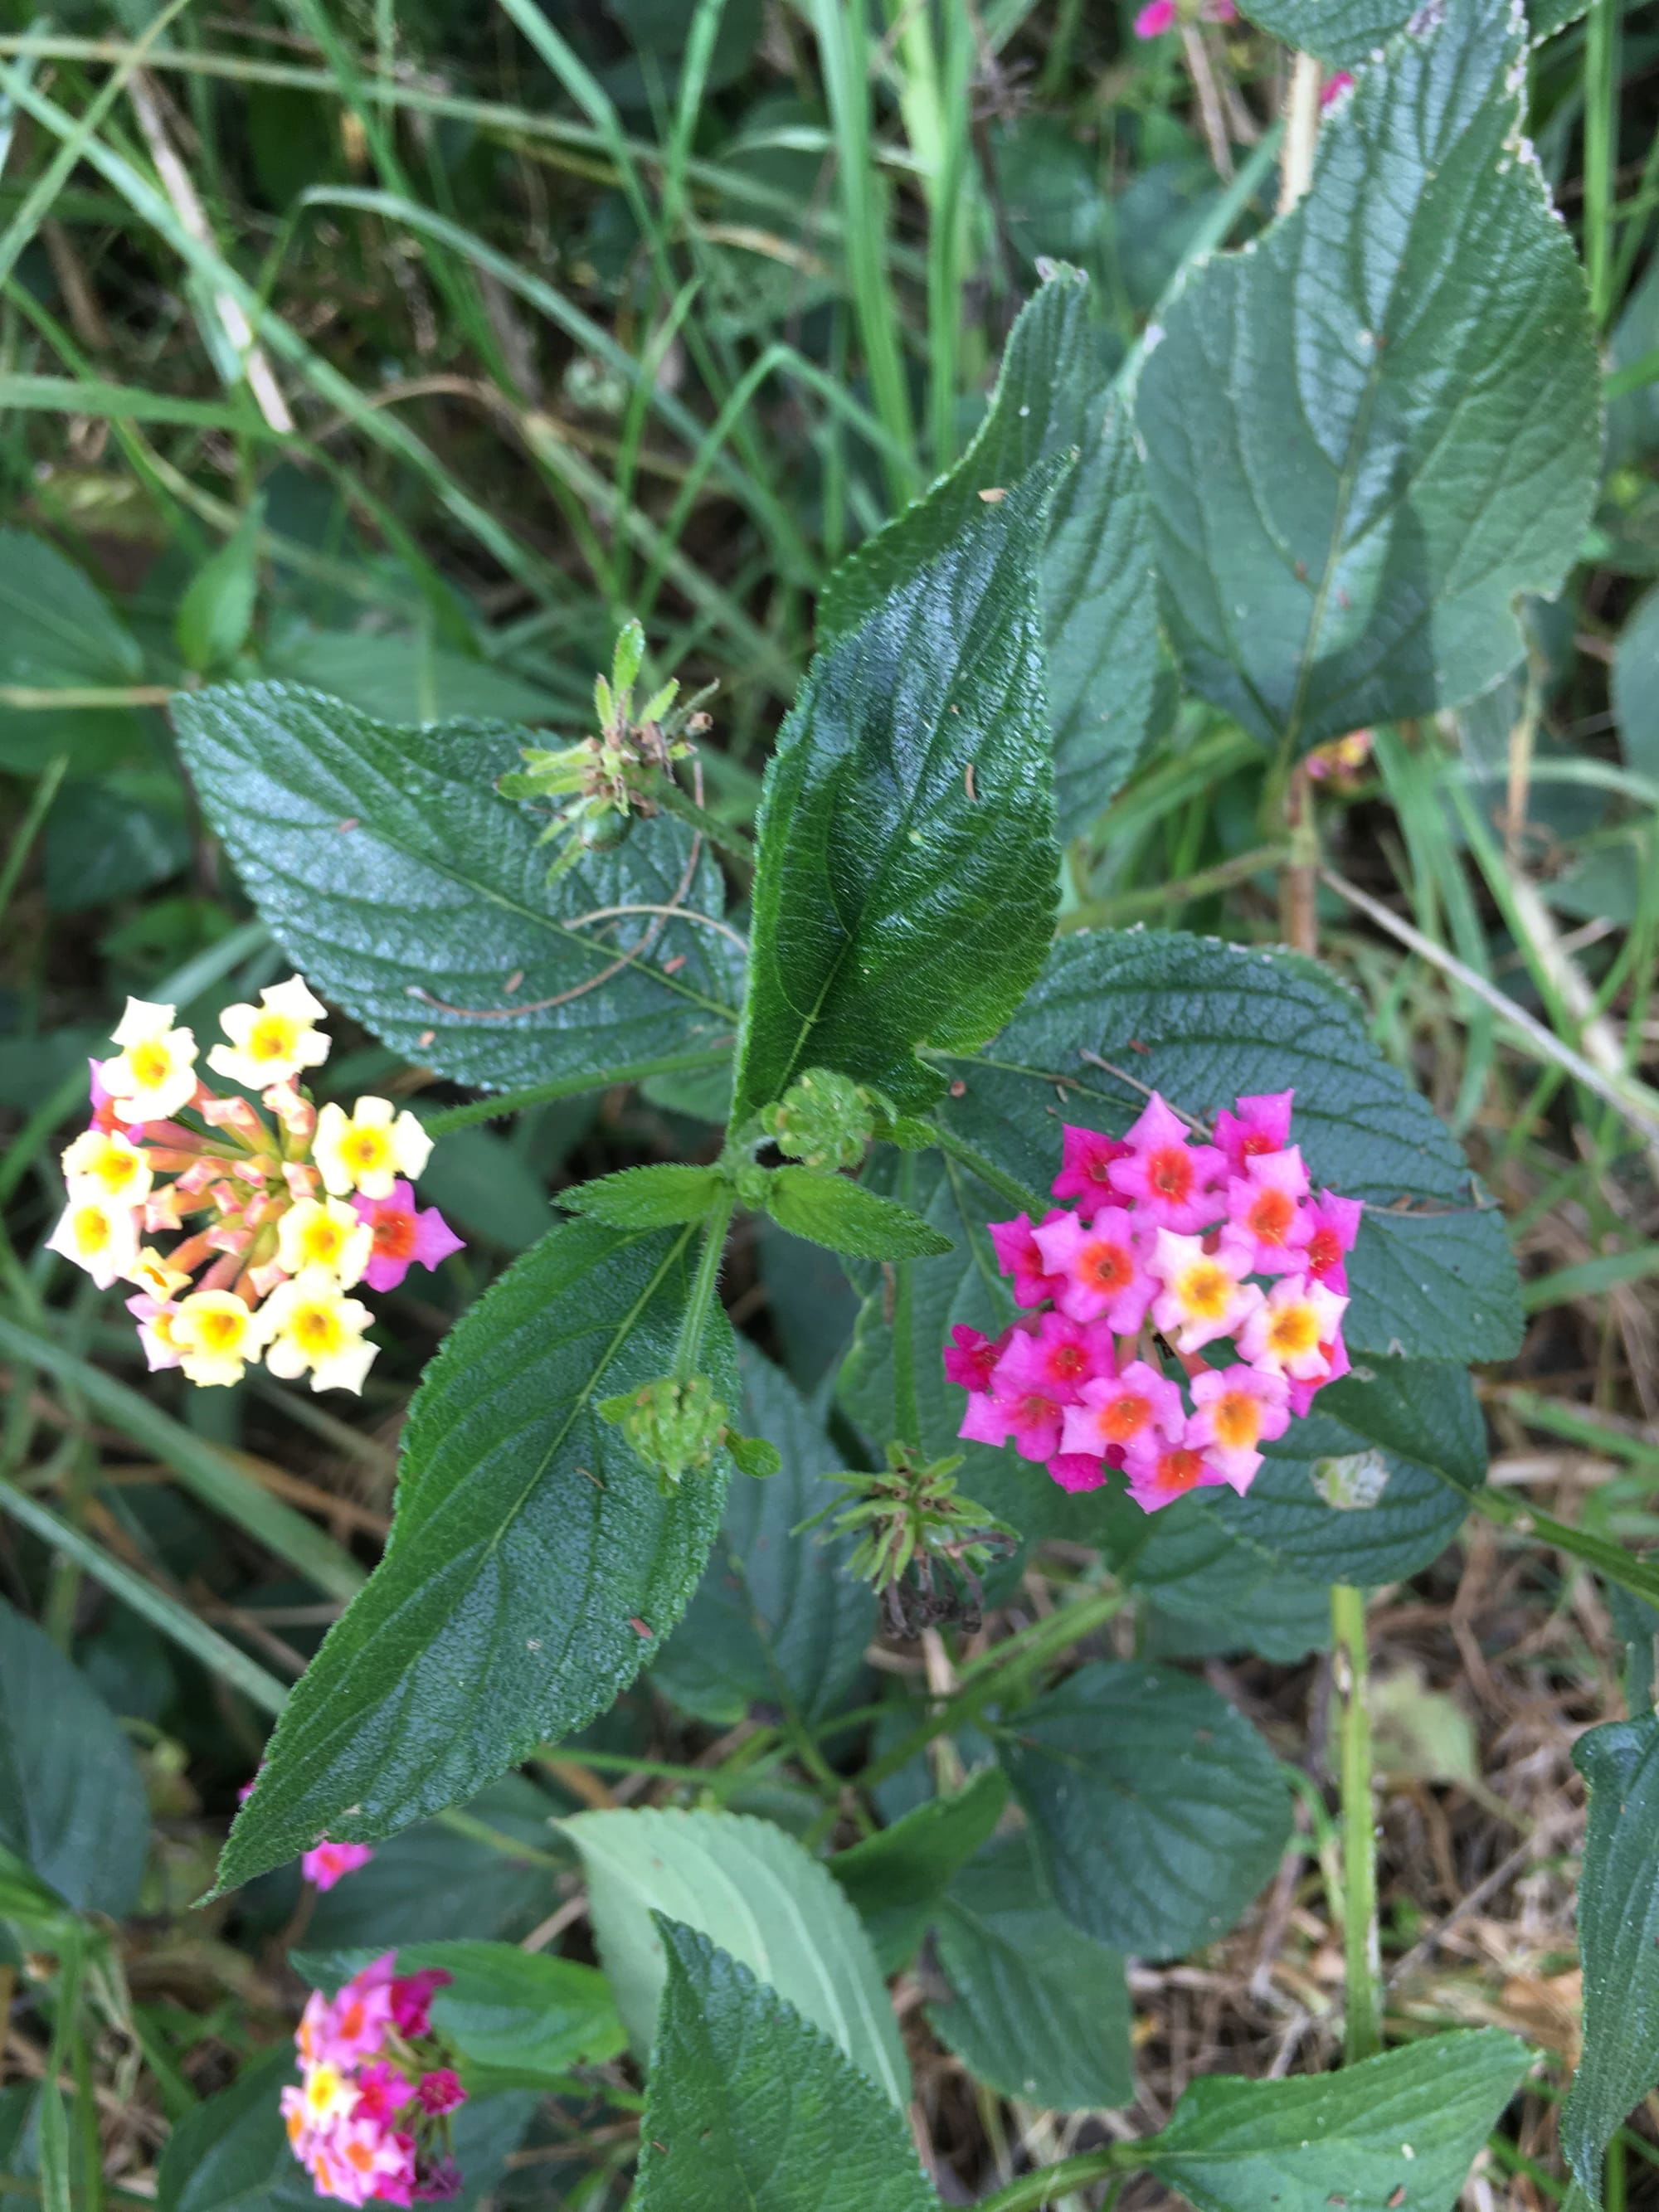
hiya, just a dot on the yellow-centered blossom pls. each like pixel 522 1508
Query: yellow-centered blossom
pixel 154 1076
pixel 310 1324
pixel 216 1335
pixel 325 1233
pixel 98 1234
pixel 103 1163
pixel 271 1043
pixel 369 1149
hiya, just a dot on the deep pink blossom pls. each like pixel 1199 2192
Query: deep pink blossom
pixel 1086 1170
pixel 1335 86
pixel 1017 1256
pixel 1266 1222
pixel 1025 1416
pixel 1116 1412
pixel 1098 1273
pixel 970 1357
pixel 411 2000
pixel 1159 1474
pixel 328 1864
pixel 1262 1124
pixel 1078 1471
pixel 382 2093
pixel 1056 1358
pixel 1155 18
pixel 439 2091
pixel 403 1237
pixel 1171 1179
pixel 1333 1225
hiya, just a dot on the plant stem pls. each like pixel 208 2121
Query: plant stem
pixel 572 1086
pixel 1601 118
pixel 1033 2190
pixel 1301 131
pixel 726 835
pixel 1363 2016
pixel 1127 906
pixel 704 1286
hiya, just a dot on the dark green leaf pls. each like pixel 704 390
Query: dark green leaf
pixel 907 873
pixel 646 1198
pixel 1108 684
pixel 1201 1022
pixel 232 2154
pixel 752 1889
pixel 1365 438
pixel 897 1876
pixel 485 1187
pixel 107 839
pixel 775 1620
pixel 59 631
pixel 845 1217
pixel 407 891
pixel 1039 2010
pixel 750 2103
pixel 1636 687
pixel 1410 1439
pixel 71 1802
pixel 525 2014
pixel 1158 1811
pixel 1218 1587
pixel 531 1548
pixel 1407 2121
pixel 1618 1939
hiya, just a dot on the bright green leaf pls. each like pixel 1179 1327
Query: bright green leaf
pixel 1431 1275
pixel 1158 1811
pixel 753 1890
pixel 1366 437
pixel 1109 684
pixel 897 1876
pixel 216 611
pixel 845 1217
pixel 1618 1939
pixel 71 1802
pixel 908 871
pixel 1349 32
pixel 750 2103
pixel 407 891
pixel 1401 2129
pixel 1636 687
pixel 531 1549
pixel 1039 2010
pixel 524 2014
pixel 656 1197
pixel 775 1620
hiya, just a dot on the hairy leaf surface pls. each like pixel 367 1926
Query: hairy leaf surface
pixel 1401 2129
pixel 533 1563
pixel 907 874
pixel 1157 1810
pixel 405 889
pixel 750 2102
pixel 1368 433
pixel 753 1890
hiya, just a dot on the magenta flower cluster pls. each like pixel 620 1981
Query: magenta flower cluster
pixel 1176 1237
pixel 369 2118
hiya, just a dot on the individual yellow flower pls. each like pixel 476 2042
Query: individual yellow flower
pixel 325 1233
pixel 154 1074
pixel 151 1273
pixel 99 1235
pixel 368 1150
pixel 311 1324
pixel 216 1335
pixel 328 2093
pixel 270 1043
pixel 103 1163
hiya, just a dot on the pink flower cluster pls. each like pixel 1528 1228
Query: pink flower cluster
pixel 369 2118
pixel 1167 1239
pixel 1159 16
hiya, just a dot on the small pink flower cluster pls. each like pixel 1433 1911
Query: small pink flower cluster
pixel 283 1217
pixel 1166 1235
pixel 325 1864
pixel 369 2118
pixel 1159 16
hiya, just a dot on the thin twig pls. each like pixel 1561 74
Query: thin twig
pixel 1296 160
pixel 679 913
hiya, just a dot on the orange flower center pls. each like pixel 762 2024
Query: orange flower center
pixel 1108 1267
pixel 1178 1469
pixel 394 1236
pixel 1125 1416
pixel 1237 1419
pixel 1324 1250
pixel 1271 1215
pixel 1066 1362
pixel 1293 1329
pixel 1170 1172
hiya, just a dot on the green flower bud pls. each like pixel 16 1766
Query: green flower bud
pixel 675 1427
pixel 824 1121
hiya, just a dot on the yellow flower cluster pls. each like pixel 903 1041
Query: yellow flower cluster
pixel 292 1213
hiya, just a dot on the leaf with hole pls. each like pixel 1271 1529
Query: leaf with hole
pixel 1367 435
pixel 409 892
pixel 533 1562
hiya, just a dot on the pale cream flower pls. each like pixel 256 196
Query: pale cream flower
pixel 369 1149
pixel 325 1233
pixel 103 1163
pixel 154 1074
pixel 311 1324
pixel 270 1043
pixel 150 1273
pixel 99 1235
pixel 216 1335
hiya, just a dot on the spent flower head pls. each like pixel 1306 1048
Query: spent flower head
pixel 276 1214
pixel 1178 1244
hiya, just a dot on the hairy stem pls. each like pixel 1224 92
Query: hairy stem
pixel 704 1287
pixel 572 1086
pixel 1362 2015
